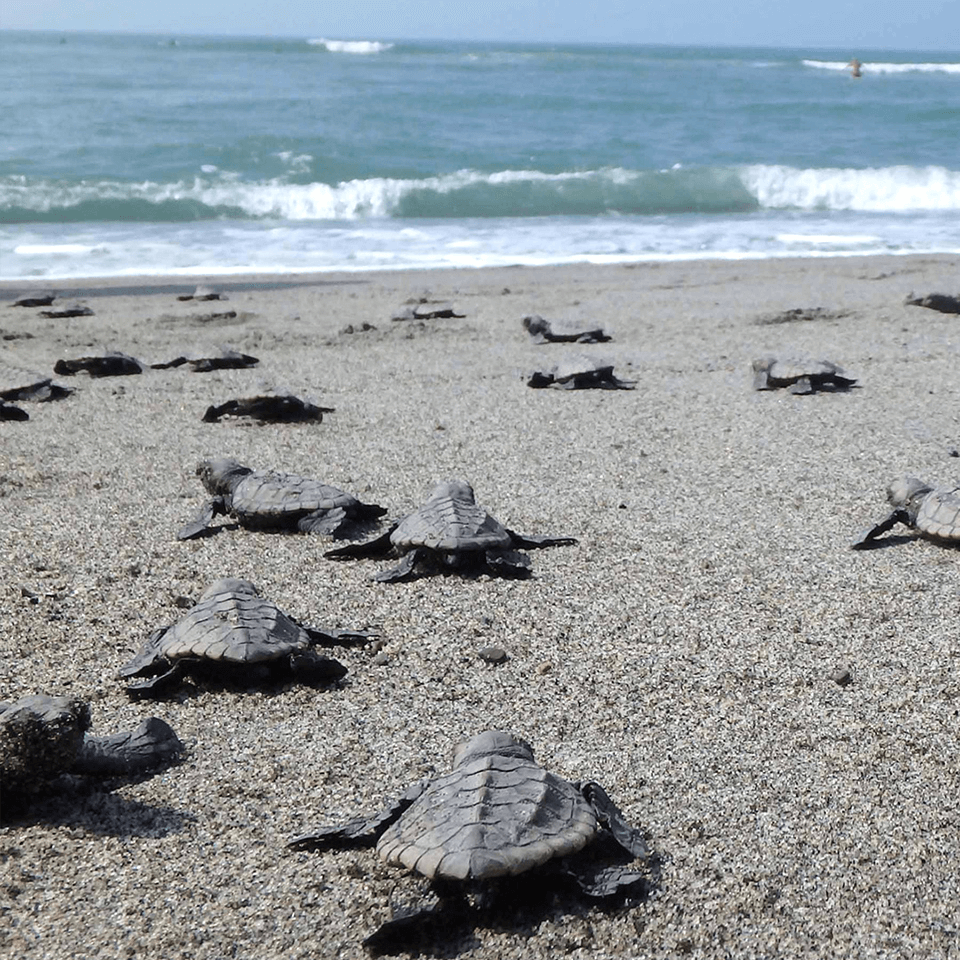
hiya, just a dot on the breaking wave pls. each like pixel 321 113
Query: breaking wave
pixel 868 67
pixel 472 194
pixel 351 46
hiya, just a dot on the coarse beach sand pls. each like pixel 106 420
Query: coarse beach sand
pixel 685 654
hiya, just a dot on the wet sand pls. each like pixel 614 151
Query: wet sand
pixel 683 654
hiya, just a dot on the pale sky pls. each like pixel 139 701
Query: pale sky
pixel 851 25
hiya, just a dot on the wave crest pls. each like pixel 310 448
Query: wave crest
pixel 351 46
pixel 869 67
pixel 474 194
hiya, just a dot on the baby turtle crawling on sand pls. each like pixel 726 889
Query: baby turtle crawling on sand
pixel 35 298
pixel 276 501
pixel 580 374
pixel 225 358
pixel 62 311
pixel 499 814
pixel 269 408
pixel 449 532
pixel 799 376
pixel 557 331
pixel 112 364
pixel 42 737
pixel 941 302
pixel 233 630
pixel 203 292
pixel 932 511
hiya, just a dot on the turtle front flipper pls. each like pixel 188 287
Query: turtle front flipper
pixel 361 831
pixel 153 743
pixel 158 682
pixel 378 547
pixel 534 543
pixel 610 815
pixel 330 637
pixel 200 525
pixel 867 538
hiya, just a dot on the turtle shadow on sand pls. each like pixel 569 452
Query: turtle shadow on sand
pixel 94 807
pixel 442 920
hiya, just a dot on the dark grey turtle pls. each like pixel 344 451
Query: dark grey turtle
pixel 276 501
pixel 62 311
pixel 941 302
pixel 18 384
pixel 204 292
pixel 111 364
pixel 449 532
pixel 580 373
pixel 559 331
pixel 499 814
pixel 225 358
pixel 35 298
pixel 10 412
pixel 799 376
pixel 933 512
pixel 42 737
pixel 232 630
pixel 269 408
pixel 425 309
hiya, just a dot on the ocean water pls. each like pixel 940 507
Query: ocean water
pixel 127 155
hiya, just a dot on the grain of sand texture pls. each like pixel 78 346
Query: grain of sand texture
pixel 683 654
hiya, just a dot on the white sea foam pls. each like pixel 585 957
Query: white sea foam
pixel 869 67
pixel 351 46
pixel 890 189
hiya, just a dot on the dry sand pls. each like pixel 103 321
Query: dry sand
pixel 682 654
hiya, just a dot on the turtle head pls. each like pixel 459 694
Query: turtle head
pixel 453 490
pixel 221 476
pixel 906 493
pixel 230 585
pixel 492 742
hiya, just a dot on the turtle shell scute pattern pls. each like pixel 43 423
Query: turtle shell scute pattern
pixel 451 522
pixel 493 816
pixel 274 494
pixel 939 514
pixel 231 622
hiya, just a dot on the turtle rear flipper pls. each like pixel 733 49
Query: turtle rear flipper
pixel 867 537
pixel 404 570
pixel 378 547
pixel 151 744
pixel 308 667
pixel 508 563
pixel 329 522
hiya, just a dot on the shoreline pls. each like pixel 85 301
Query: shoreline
pixel 683 654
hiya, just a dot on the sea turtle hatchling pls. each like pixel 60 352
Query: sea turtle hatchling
pixel 268 408
pixel 799 376
pixel 268 500
pixel 35 298
pixel 499 814
pixel 233 630
pixel 559 331
pixel 449 532
pixel 42 737
pixel 580 373
pixel 932 511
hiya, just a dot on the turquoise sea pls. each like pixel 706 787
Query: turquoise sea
pixel 127 154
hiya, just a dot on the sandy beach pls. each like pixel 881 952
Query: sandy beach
pixel 683 655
